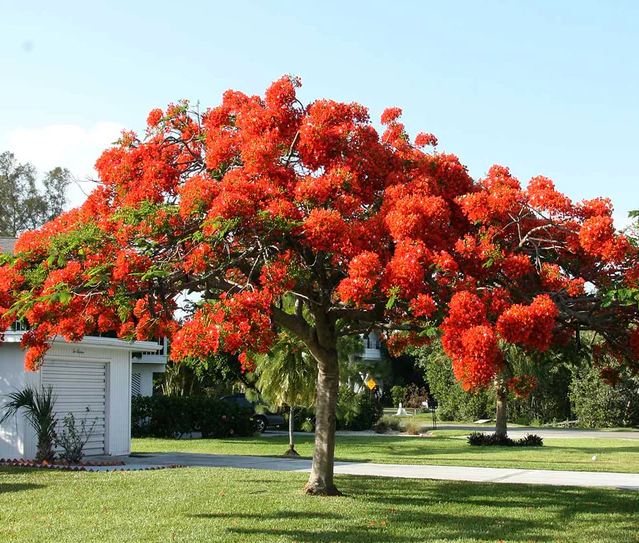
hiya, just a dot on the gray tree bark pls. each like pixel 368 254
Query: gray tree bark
pixel 291 435
pixel 321 478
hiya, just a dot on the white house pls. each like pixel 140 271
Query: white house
pixel 372 347
pixel 145 366
pixel 366 364
pixel 93 373
pixel 99 373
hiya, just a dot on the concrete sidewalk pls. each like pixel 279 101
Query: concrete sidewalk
pixel 447 473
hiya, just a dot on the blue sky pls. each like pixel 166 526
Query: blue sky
pixel 546 88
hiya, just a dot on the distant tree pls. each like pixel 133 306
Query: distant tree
pixel 216 374
pixel 23 205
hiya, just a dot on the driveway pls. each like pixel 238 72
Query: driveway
pixel 447 473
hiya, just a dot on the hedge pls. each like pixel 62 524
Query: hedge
pixel 176 416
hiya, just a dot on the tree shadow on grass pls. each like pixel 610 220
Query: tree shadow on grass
pixel 381 510
pixel 349 535
pixel 508 510
pixel 279 515
pixel 410 526
pixel 5 488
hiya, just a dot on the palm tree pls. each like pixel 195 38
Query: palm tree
pixel 287 376
pixel 38 408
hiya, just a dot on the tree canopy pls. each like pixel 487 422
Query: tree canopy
pixel 262 198
pixel 23 204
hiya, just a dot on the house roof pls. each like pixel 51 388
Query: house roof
pixel 12 336
pixel 7 245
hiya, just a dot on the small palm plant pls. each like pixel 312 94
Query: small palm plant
pixel 287 377
pixel 38 408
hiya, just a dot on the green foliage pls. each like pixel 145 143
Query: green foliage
pixel 380 426
pixel 531 440
pixel 392 422
pixel 287 376
pixel 596 404
pixel 549 401
pixel 454 403
pixel 176 416
pixel 23 204
pixel 357 411
pixel 397 393
pixel 388 422
pixel 303 419
pixel 479 439
pixel 215 375
pixel 72 439
pixel 38 407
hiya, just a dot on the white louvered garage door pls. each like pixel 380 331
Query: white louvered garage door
pixel 78 385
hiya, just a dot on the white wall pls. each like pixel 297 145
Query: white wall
pixel 16 438
pixel 146 372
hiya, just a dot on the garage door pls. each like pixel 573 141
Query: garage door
pixel 78 385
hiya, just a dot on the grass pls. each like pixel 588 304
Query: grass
pixel 212 504
pixel 446 449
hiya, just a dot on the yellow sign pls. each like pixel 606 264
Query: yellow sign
pixel 371 384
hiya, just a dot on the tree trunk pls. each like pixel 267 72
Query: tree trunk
pixel 45 452
pixel 321 479
pixel 291 436
pixel 501 394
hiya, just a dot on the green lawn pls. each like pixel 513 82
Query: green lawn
pixel 208 504
pixel 617 455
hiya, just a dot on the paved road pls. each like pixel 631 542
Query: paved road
pixel 450 473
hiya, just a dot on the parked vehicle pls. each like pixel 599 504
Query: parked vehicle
pixel 262 416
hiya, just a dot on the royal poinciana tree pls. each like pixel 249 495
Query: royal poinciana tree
pixel 263 200
pixel 535 271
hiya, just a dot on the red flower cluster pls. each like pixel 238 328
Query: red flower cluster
pixel 523 386
pixel 529 325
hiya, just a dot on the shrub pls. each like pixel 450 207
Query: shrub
pixel 479 439
pixel 596 404
pixel 414 396
pixel 357 411
pixel 381 427
pixel 413 428
pixel 393 422
pixel 397 393
pixel 72 439
pixel 175 416
pixel 308 425
pixel 454 403
pixel 303 419
pixel 531 440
